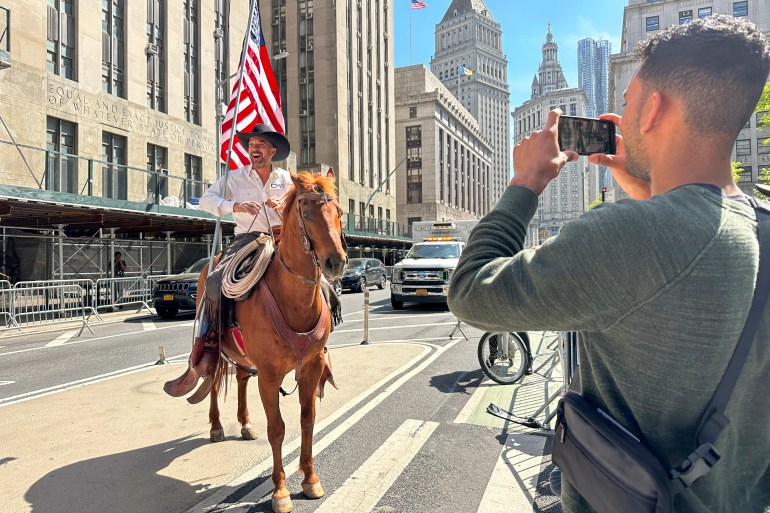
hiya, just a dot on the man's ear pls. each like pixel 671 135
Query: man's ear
pixel 653 111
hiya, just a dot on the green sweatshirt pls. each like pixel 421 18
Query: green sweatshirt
pixel 659 291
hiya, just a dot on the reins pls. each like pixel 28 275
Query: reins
pixel 307 244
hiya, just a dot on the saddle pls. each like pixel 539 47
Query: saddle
pixel 204 359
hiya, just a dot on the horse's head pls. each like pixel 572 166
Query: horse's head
pixel 313 208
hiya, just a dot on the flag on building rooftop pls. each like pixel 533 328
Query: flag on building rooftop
pixel 464 71
pixel 259 101
pixel 417 4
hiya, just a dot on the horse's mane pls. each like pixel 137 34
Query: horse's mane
pixel 308 182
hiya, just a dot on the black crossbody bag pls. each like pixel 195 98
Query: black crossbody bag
pixel 616 472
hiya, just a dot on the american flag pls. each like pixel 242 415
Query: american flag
pixel 259 101
pixel 417 4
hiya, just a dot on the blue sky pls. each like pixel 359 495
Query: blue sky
pixel 524 25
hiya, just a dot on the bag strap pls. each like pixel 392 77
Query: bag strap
pixel 705 456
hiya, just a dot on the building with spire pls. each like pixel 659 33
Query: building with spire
pixel 470 37
pixel 567 196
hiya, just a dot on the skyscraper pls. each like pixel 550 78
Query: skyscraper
pixel 593 75
pixel 566 197
pixel 470 37
pixel 593 71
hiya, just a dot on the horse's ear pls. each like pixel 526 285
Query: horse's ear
pixel 294 178
pixel 330 173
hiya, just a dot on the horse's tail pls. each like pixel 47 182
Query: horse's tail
pixel 220 375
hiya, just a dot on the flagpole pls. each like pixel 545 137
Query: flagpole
pixel 218 228
pixel 410 33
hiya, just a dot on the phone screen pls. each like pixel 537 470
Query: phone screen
pixel 586 136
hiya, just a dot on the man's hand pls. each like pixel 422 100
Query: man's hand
pixel 635 187
pixel 275 203
pixel 537 159
pixel 247 207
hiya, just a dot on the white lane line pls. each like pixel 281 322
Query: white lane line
pixel 7 401
pixel 95 339
pixel 6 383
pixel 61 339
pixel 148 326
pixel 213 502
pixel 513 482
pixel 398 327
pixel 387 317
pixel 470 405
pixel 361 492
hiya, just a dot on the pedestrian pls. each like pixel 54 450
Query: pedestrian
pixel 658 286
pixel 118 265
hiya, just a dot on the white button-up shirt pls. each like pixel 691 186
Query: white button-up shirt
pixel 243 184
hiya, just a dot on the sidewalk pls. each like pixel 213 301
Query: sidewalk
pixel 53 327
pixel 150 452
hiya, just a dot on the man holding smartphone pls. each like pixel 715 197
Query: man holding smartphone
pixel 658 287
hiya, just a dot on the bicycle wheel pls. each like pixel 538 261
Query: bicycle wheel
pixel 503 370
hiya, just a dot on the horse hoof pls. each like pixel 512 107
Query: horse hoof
pixel 313 490
pixel 282 505
pixel 249 433
pixel 217 435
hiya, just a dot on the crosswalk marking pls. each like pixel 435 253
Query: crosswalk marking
pixel 62 339
pixel 148 326
pixel 361 492
pixel 514 480
pixel 6 383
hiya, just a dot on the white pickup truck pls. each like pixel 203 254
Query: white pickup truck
pixel 423 275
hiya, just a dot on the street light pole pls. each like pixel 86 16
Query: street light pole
pixel 379 187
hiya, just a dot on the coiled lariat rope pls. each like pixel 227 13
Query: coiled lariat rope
pixel 243 270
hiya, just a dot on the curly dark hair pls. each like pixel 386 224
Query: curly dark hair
pixel 716 65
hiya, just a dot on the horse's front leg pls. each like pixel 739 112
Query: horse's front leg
pixel 268 392
pixel 248 431
pixel 217 432
pixel 310 375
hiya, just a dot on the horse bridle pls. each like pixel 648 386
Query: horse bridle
pixel 307 244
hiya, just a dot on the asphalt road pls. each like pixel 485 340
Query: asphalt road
pixel 416 440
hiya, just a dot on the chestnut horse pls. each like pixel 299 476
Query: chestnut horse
pixel 311 244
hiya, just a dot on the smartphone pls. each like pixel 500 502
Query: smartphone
pixel 586 136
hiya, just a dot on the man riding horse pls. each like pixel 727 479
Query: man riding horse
pixel 255 195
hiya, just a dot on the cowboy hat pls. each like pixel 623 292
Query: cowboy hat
pixel 279 142
pixel 763 188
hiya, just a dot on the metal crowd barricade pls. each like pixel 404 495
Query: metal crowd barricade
pixel 84 283
pixel 6 304
pixel 120 292
pixel 57 302
pixel 565 355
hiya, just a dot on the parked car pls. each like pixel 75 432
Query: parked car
pixel 178 292
pixel 363 272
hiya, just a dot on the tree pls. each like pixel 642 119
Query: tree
pixel 763 105
pixel 594 203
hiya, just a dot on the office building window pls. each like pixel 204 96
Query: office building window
pixel 191 63
pixel 653 23
pixel 762 148
pixel 114 172
pixel 61 142
pixel 155 52
pixel 740 8
pixel 685 17
pixel 157 169
pixel 743 147
pixel 704 11
pixel 60 45
pixel 759 117
pixel 221 57
pixel 113 47
pixel 412 112
pixel 194 175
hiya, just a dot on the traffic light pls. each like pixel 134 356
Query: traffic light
pixel 604 192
